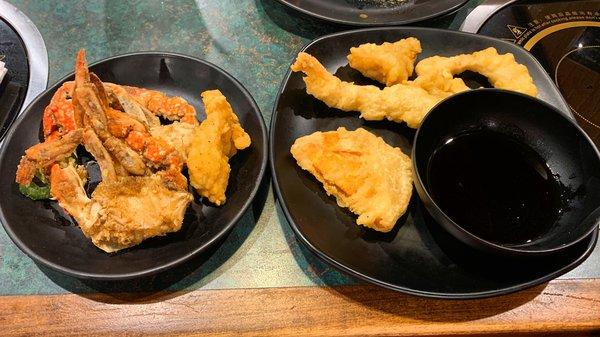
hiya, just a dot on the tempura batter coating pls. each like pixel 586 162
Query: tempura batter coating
pixel 388 63
pixel 440 84
pixel 178 135
pixel 123 212
pixel 216 140
pixel 363 173
pixel 502 71
pixel 398 103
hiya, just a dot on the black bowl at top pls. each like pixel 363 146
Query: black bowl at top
pixel 507 173
pixel 374 13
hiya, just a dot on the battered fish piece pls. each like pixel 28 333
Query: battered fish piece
pixel 399 103
pixel 388 63
pixel 216 140
pixel 363 173
pixel 502 71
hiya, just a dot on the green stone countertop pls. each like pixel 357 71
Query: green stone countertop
pixel 255 41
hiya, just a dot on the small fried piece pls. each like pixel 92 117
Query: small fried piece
pixel 177 134
pixel 216 140
pixel 399 103
pixel 363 173
pixel 502 71
pixel 388 63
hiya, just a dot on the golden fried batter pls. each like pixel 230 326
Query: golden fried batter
pixel 410 101
pixel 388 63
pixel 123 212
pixel 178 135
pixel 398 103
pixel 363 173
pixel 502 71
pixel 216 140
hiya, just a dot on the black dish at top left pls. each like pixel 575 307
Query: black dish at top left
pixel 24 53
pixel 50 237
pixel 14 85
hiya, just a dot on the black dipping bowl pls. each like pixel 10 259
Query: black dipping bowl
pixel 567 150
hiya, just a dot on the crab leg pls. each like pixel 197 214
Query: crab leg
pixel 131 160
pixel 94 146
pixel 92 107
pixel 132 107
pixel 49 152
pixel 172 108
pixel 42 155
pixel 58 117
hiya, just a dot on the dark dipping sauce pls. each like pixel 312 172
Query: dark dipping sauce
pixel 495 187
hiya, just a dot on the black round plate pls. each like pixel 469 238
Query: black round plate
pixel 417 257
pixel 375 12
pixel 45 233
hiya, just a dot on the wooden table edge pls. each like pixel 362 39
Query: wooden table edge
pixel 558 307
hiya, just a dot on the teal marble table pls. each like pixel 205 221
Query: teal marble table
pixel 255 41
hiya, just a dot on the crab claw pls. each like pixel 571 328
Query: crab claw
pixel 42 155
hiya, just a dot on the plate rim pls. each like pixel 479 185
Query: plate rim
pixel 369 24
pixel 198 250
pixel 346 269
pixel 482 13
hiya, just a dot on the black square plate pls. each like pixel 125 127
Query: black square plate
pixel 417 257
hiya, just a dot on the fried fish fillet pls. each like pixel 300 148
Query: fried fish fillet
pixel 502 71
pixel 398 103
pixel 216 140
pixel 363 173
pixel 388 63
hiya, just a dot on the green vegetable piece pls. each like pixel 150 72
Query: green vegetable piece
pixel 35 192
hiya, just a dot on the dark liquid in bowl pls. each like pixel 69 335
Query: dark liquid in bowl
pixel 495 187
